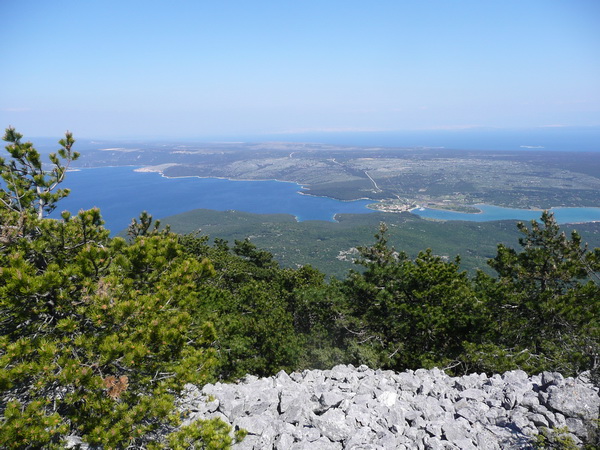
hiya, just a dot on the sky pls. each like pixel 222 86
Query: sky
pixel 189 69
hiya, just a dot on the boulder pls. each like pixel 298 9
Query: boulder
pixel 360 408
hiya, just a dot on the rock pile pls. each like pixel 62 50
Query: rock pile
pixel 360 408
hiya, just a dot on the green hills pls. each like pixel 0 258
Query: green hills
pixel 328 246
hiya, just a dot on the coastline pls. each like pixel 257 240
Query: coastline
pixel 159 169
pixel 563 215
pixel 376 205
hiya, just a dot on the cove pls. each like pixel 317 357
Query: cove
pixel 489 212
pixel 121 193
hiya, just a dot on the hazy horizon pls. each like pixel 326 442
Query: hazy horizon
pixel 569 139
pixel 136 69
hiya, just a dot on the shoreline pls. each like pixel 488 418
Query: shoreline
pixel 149 169
pixel 303 191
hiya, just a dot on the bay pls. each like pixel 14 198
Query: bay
pixel 121 193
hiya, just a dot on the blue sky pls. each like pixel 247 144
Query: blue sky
pixel 127 68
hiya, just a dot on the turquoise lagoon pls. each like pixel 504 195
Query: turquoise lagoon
pixel 489 212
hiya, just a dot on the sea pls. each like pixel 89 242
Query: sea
pixel 490 212
pixel 122 193
pixel 548 138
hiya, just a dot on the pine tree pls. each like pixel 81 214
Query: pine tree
pixel 28 186
pixel 97 336
pixel 544 304
pixel 407 313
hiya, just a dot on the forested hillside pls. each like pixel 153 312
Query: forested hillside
pixel 98 334
pixel 330 247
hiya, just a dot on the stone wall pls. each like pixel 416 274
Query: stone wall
pixel 361 408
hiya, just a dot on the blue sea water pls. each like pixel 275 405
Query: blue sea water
pixel 489 212
pixel 565 139
pixel 122 194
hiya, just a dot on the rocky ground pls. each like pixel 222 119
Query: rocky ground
pixel 361 408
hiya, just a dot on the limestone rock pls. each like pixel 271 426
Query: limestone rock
pixel 361 408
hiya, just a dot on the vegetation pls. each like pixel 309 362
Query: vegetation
pixel 330 246
pixel 546 301
pixel 516 179
pixel 555 439
pixel 98 335
pixel 411 313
